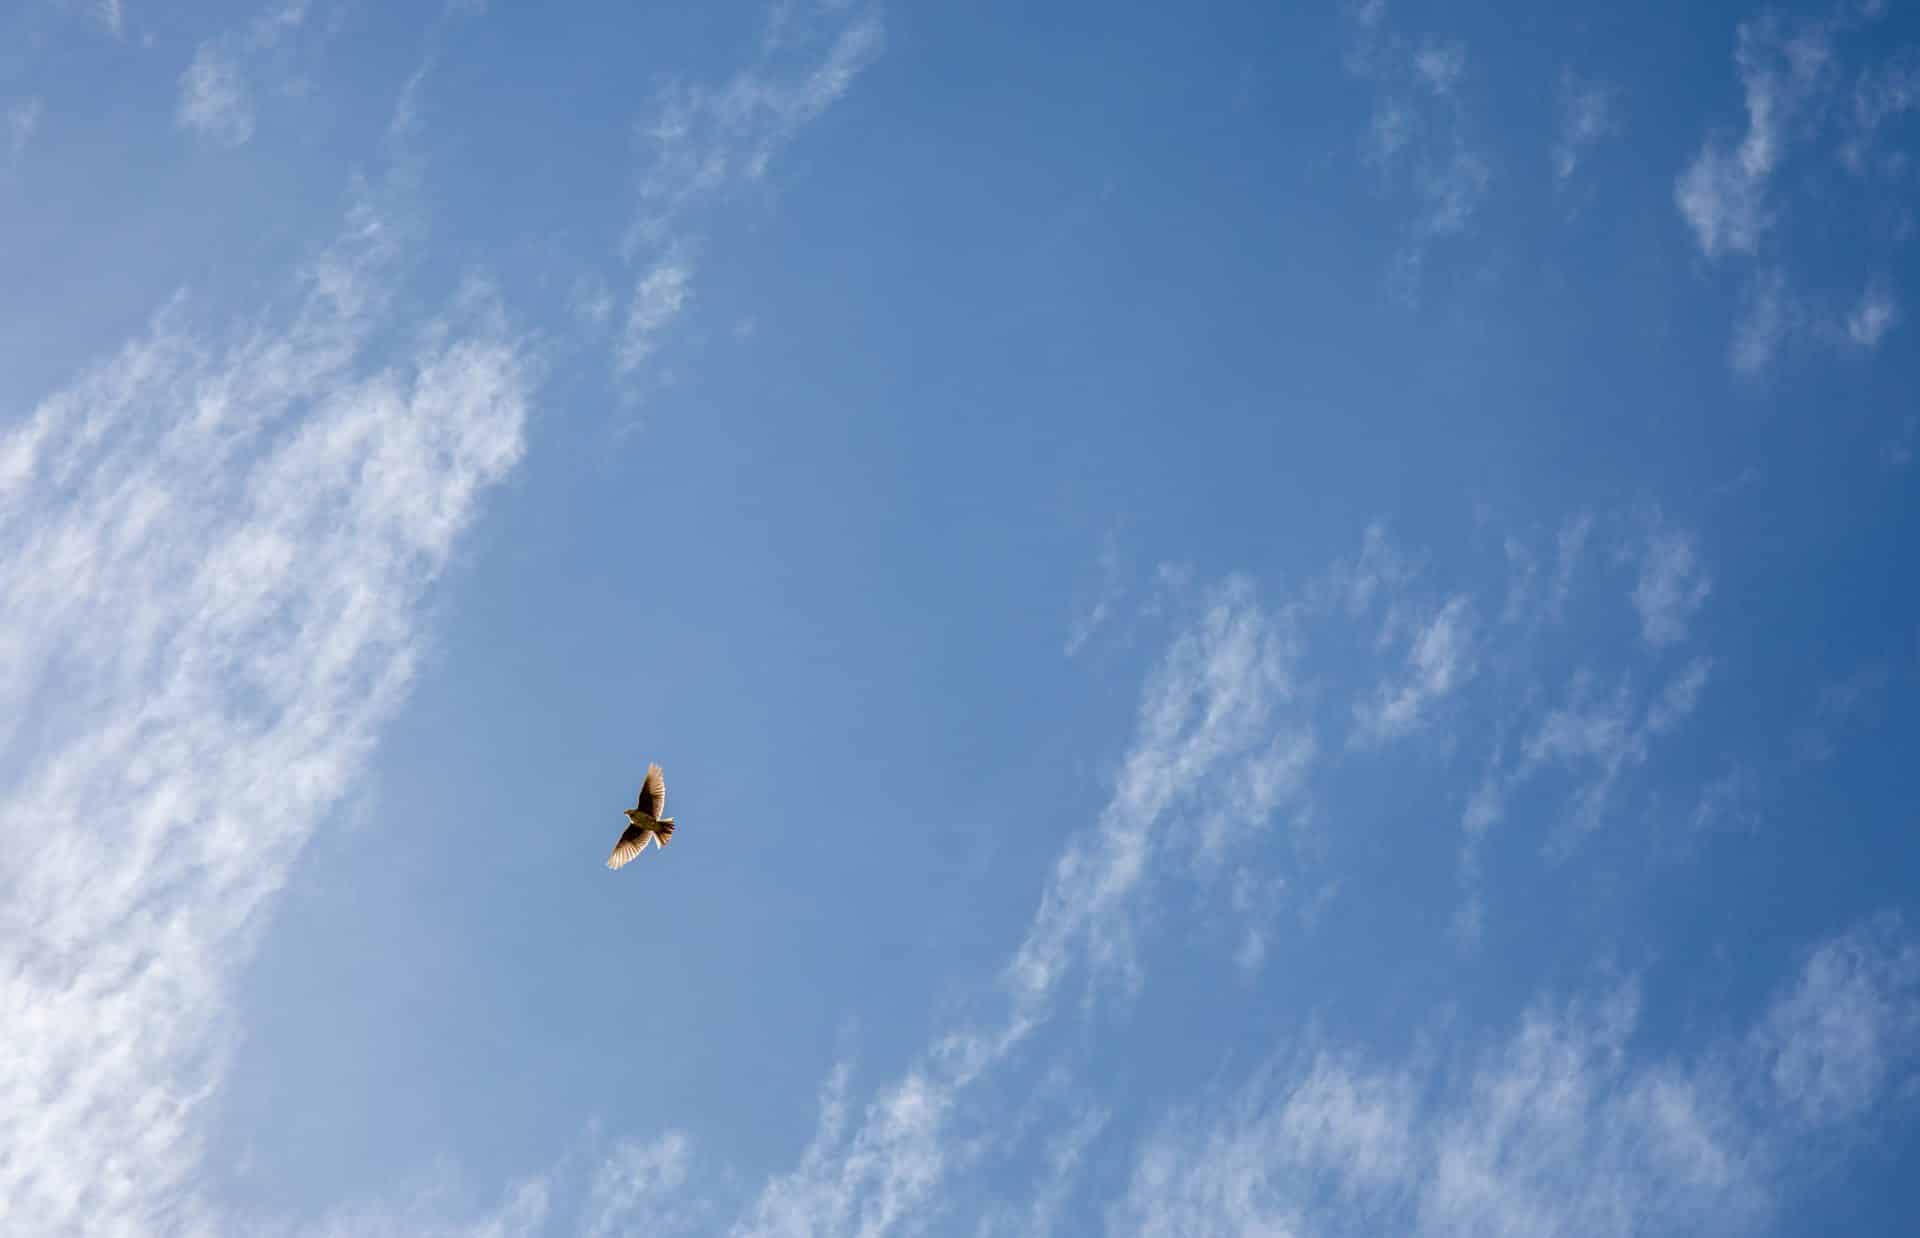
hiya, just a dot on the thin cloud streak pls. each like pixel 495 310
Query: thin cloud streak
pixel 216 99
pixel 1876 314
pixel 1556 1129
pixel 1671 589
pixel 216 545
pixel 1207 716
pixel 706 142
pixel 1723 194
pixel 1589 113
pixel 1420 134
pixel 1732 198
pixel 23 121
pixel 1439 659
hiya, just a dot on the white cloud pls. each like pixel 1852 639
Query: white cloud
pixel 1206 719
pixel 1257 903
pixel 1105 597
pixel 1841 705
pixel 591 301
pixel 1677 700
pixel 706 141
pixel 1556 1129
pixel 1208 713
pixel 1721 196
pixel 1487 804
pixel 1792 74
pixel 1440 66
pixel 110 14
pixel 1248 798
pixel 23 120
pixel 1726 802
pixel 429 1212
pixel 1420 133
pixel 1769 315
pixel 214 550
pixel 1440 656
pixel 214 100
pixel 1672 587
pixel 1530 600
pixel 1588 114
pixel 1874 316
pixel 216 547
pixel 1213 753
pixel 657 301
pixel 1723 193
pixel 638 1188
pixel 1589 727
pixel 1376 574
pixel 1571 544
pixel 1063 1157
pixel 1883 94
pixel 1849 1024
pixel 1552 1129
pixel 1598 736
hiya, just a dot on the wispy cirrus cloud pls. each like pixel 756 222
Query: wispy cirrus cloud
pixel 1206 719
pixel 1772 319
pixel 1105 597
pixel 704 142
pixel 1554 1126
pixel 434 1209
pixel 1061 1165
pixel 1724 192
pixel 23 121
pixel 1840 706
pixel 1439 658
pixel 1844 1035
pixel 1596 738
pixel 217 542
pixel 656 303
pixel 216 97
pixel 214 100
pixel 1769 316
pixel 1420 136
pixel 1535 596
pixel 1595 731
pixel 1559 1127
pixel 1589 113
pixel 1793 74
pixel 1883 95
pixel 1672 586
pixel 1219 746
pixel 1873 316
pixel 109 15
pixel 887 1165
pixel 640 1188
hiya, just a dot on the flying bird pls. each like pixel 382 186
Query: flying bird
pixel 645 824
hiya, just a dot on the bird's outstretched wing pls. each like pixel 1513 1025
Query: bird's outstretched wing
pixel 632 842
pixel 653 793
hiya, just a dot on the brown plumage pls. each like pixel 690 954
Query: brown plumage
pixel 645 822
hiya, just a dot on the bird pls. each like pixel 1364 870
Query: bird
pixel 645 824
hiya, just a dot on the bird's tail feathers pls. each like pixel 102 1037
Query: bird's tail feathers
pixel 664 831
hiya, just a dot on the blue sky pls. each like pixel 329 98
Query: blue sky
pixel 1286 620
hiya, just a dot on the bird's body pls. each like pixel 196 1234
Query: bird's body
pixel 645 821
